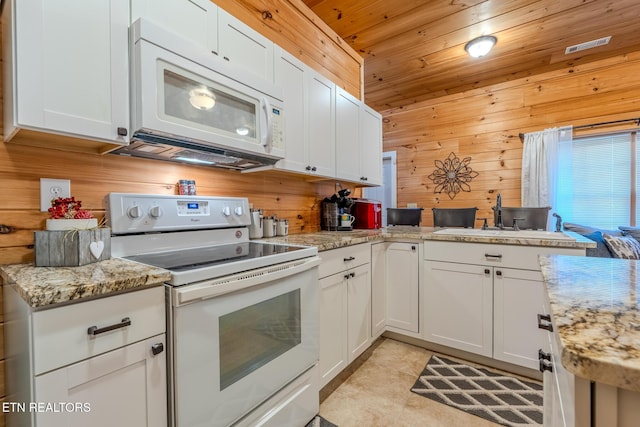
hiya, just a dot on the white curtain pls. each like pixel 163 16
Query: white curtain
pixel 541 166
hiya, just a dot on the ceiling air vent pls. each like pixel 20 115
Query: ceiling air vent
pixel 587 45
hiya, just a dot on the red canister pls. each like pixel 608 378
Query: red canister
pixel 368 214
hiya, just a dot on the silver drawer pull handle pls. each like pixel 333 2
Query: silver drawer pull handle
pixel 94 330
pixel 499 256
pixel 545 366
pixel 544 322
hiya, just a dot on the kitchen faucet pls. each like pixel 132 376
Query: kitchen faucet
pixel 558 222
pixel 499 212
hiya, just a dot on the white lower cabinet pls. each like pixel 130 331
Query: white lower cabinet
pixel 567 399
pixel 517 297
pixel 359 310
pixel 345 308
pixel 100 362
pixel 484 298
pixel 403 282
pixel 458 306
pixel 124 387
pixel 333 333
pixel 378 289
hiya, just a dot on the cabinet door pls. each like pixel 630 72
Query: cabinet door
pixel 333 333
pixel 243 46
pixel 403 286
pixel 125 387
pixel 517 298
pixel 290 75
pixel 359 310
pixel 321 138
pixel 195 20
pixel 378 289
pixel 72 65
pixel 347 136
pixel 552 408
pixel 458 306
pixel 370 146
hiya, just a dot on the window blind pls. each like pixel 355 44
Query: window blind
pixel 598 189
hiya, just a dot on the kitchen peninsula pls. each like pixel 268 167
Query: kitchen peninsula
pixel 595 317
pixel 470 293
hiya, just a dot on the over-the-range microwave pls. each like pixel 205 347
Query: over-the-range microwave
pixel 191 106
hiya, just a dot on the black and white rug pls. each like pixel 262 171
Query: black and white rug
pixel 318 421
pixel 491 395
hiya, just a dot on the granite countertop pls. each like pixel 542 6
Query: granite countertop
pixel 596 313
pixel 326 240
pixel 45 286
pixel 42 287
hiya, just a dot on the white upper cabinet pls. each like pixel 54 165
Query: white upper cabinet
pixel 347 136
pixel 245 47
pixel 321 94
pixel 370 146
pixel 292 72
pixel 67 68
pixel 212 28
pixel 196 20
pixel 309 119
pixel 358 141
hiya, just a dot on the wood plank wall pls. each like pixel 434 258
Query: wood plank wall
pixel 484 124
pixel 92 176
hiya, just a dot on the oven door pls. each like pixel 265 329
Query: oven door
pixel 233 351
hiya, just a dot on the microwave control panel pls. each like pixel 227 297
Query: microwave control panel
pixel 277 128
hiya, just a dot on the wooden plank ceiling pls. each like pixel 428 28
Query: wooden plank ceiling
pixel 413 50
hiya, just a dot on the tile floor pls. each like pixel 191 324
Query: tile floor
pixel 378 393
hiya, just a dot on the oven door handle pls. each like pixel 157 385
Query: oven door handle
pixel 235 282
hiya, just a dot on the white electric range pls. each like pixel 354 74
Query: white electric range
pixel 242 316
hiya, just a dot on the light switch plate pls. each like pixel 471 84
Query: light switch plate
pixel 52 189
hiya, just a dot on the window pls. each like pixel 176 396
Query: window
pixel 597 179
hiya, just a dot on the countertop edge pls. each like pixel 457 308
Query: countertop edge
pixel 40 290
pixel 327 240
pixel 613 365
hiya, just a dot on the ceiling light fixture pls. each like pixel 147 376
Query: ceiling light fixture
pixel 480 46
pixel 202 98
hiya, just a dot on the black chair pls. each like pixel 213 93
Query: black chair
pixel 454 217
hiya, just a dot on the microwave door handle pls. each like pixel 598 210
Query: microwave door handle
pixel 266 108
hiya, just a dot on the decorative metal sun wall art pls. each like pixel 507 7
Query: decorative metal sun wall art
pixel 452 175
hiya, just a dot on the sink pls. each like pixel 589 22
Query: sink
pixel 522 234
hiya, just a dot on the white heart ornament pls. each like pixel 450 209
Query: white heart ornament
pixel 96 248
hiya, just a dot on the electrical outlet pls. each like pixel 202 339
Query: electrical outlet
pixel 52 189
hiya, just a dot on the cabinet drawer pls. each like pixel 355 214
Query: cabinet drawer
pixel 337 260
pixel 61 336
pixel 513 256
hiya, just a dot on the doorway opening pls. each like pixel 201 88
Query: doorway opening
pixel 387 192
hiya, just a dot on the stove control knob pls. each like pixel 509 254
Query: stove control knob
pixel 226 211
pixel 155 212
pixel 238 211
pixel 134 212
